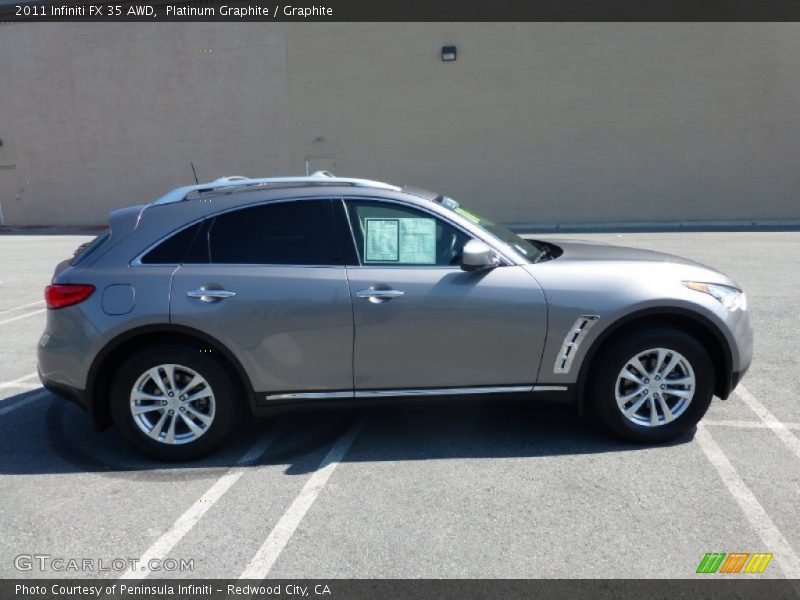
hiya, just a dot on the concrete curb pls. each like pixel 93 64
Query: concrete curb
pixel 656 226
pixel 52 230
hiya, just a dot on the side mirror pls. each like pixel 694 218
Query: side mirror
pixel 477 255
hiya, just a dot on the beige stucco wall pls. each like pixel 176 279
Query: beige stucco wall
pixel 534 122
pixel 96 116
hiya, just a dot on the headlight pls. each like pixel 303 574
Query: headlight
pixel 730 297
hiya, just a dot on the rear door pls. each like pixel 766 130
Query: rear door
pixel 269 282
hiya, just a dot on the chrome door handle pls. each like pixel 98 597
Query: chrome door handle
pixel 380 294
pixel 210 295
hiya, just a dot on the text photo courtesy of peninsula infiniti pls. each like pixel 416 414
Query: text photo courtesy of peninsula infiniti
pixel 229 299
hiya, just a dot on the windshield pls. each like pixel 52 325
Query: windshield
pixel 529 250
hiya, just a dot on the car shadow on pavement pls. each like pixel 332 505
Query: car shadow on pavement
pixel 48 435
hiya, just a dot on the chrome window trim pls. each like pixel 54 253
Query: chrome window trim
pixel 137 260
pixel 252 265
pixel 572 341
pixel 506 253
pixel 492 241
pixel 412 392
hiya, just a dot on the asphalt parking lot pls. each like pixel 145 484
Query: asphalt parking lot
pixel 422 490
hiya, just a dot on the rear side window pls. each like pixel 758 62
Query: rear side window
pixel 172 250
pixel 287 233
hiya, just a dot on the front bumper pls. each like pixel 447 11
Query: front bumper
pixel 740 336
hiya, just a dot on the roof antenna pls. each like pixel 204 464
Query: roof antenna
pixel 195 173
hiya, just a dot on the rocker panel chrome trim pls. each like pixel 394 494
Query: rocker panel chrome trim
pixel 457 391
pixel 310 396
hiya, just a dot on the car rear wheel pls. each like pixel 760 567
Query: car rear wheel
pixel 174 403
pixel 653 386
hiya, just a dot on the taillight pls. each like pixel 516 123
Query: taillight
pixel 59 296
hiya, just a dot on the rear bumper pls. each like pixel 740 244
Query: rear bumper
pixel 66 392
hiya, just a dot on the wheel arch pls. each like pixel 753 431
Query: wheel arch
pixel 693 323
pixel 105 364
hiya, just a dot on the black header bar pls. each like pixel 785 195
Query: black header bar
pixel 710 588
pixel 407 11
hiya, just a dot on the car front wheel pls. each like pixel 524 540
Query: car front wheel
pixel 174 403
pixel 653 386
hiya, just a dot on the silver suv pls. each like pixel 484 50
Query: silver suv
pixel 242 295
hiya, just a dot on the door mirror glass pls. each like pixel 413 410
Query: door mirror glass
pixel 477 255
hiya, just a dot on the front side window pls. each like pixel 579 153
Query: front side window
pixel 301 232
pixel 530 250
pixel 390 234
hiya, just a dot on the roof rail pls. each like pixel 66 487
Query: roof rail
pixel 235 182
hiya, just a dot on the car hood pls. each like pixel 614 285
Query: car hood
pixel 619 263
pixel 581 250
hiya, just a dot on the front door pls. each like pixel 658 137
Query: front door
pixel 421 322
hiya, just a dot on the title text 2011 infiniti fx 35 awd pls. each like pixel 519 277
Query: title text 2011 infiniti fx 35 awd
pixel 241 295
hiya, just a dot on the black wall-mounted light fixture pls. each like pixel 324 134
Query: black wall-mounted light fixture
pixel 448 53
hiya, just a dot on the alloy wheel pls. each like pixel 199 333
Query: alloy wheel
pixel 655 387
pixel 172 404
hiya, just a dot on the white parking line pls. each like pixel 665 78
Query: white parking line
pixel 24 402
pixel 17 382
pixel 15 391
pixel 27 386
pixel 786 436
pixel 280 535
pixel 17 318
pixel 747 424
pixel 773 539
pixel 7 310
pixel 189 519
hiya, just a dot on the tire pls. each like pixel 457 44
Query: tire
pixel 686 390
pixel 204 420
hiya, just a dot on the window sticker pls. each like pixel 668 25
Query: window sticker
pixel 382 240
pixel 402 240
pixel 418 241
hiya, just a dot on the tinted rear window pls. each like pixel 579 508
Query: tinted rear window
pixel 287 233
pixel 172 250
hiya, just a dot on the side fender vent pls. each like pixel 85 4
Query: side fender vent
pixel 572 342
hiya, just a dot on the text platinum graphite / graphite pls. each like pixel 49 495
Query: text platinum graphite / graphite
pixel 248 11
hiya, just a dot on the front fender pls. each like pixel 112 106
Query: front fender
pixel 617 297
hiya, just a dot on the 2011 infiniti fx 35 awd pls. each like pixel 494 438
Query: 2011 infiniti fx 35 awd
pixel 242 295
